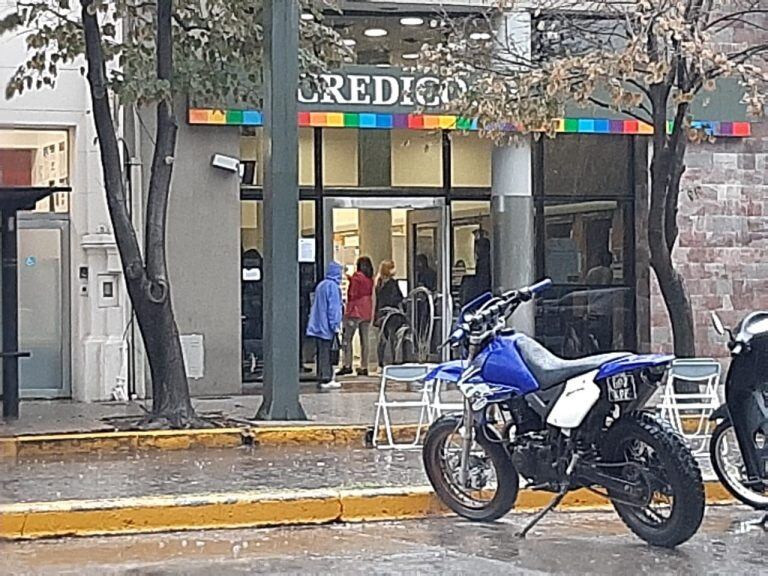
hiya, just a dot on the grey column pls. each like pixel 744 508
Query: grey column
pixel 514 263
pixel 281 213
pixel 513 241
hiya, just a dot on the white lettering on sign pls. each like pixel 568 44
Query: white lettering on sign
pixel 358 86
pixel 381 90
pixel 332 90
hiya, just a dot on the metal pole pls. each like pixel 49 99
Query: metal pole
pixel 281 212
pixel 10 316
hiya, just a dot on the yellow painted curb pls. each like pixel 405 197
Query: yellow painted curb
pixel 59 444
pixel 167 513
pixel 254 509
pixel 112 442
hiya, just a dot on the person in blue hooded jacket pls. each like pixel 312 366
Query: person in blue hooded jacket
pixel 325 322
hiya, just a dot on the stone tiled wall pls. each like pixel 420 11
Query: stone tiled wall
pixel 722 251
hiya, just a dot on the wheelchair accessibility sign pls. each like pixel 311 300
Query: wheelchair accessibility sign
pixel 30 261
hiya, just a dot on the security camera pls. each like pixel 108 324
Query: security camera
pixel 225 163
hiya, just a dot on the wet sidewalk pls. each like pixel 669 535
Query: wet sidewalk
pixel 353 406
pixel 191 472
pixel 206 471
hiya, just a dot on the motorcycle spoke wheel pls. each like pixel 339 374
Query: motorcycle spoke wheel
pixel 729 467
pixel 642 465
pixel 492 482
pixel 482 482
pixel 667 505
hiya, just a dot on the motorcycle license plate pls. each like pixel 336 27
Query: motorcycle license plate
pixel 622 388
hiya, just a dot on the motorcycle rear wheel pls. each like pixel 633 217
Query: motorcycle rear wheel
pixel 726 459
pixel 657 457
pixel 441 446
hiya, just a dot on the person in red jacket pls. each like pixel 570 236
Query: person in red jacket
pixel 358 315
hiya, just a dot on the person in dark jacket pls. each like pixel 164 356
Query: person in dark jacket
pixel 358 315
pixel 388 299
pixel 426 277
pixel 479 283
pixel 325 323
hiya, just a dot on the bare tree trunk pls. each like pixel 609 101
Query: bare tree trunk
pixel 667 167
pixel 148 286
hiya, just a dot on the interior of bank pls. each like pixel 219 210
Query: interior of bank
pixel 422 200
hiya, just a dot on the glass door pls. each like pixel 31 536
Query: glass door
pixel 411 233
pixel 43 307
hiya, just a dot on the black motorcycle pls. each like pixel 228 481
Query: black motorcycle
pixel 739 445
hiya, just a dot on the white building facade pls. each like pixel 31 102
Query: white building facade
pixel 72 311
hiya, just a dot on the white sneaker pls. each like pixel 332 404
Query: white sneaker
pixel 332 385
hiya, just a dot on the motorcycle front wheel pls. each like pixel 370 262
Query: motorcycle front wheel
pixel 491 485
pixel 650 455
pixel 726 459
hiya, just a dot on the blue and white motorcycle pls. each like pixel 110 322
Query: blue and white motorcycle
pixel 561 425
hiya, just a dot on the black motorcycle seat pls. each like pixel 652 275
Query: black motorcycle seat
pixel 550 370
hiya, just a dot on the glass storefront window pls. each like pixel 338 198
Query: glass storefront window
pixel 252 293
pixel 585 242
pixel 36 158
pixel 574 322
pixel 340 157
pixel 470 261
pixel 470 160
pixel 371 158
pixel 417 159
pixel 587 165
pixel 387 40
pixel 585 231
pixel 252 156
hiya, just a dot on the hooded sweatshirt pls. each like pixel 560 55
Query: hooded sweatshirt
pixel 325 316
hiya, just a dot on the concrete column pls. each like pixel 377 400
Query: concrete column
pixel 375 229
pixel 513 240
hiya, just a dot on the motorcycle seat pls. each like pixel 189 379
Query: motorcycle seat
pixel 551 370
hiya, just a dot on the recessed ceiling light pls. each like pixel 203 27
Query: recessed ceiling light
pixel 382 65
pixel 375 32
pixel 411 56
pixel 411 21
pixel 480 36
pixel 349 42
pixel 307 16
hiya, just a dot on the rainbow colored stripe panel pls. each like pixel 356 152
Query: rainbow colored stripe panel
pixel 382 121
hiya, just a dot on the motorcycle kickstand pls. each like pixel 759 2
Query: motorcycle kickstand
pixel 546 510
pixel 555 501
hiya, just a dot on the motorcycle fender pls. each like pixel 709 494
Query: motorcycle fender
pixel 720 414
pixel 577 399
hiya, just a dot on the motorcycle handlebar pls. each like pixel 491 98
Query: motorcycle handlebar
pixel 540 287
pixel 504 306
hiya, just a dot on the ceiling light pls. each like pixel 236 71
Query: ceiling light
pixel 411 21
pixel 307 16
pixel 411 56
pixel 349 42
pixel 480 36
pixel 375 32
pixel 382 65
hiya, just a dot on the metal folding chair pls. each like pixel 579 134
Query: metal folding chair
pixel 693 408
pixel 447 373
pixel 408 374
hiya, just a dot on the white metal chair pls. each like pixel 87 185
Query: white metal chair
pixel 693 407
pixel 408 374
pixel 448 373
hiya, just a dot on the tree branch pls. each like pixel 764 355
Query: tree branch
pixel 162 159
pixel 127 243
